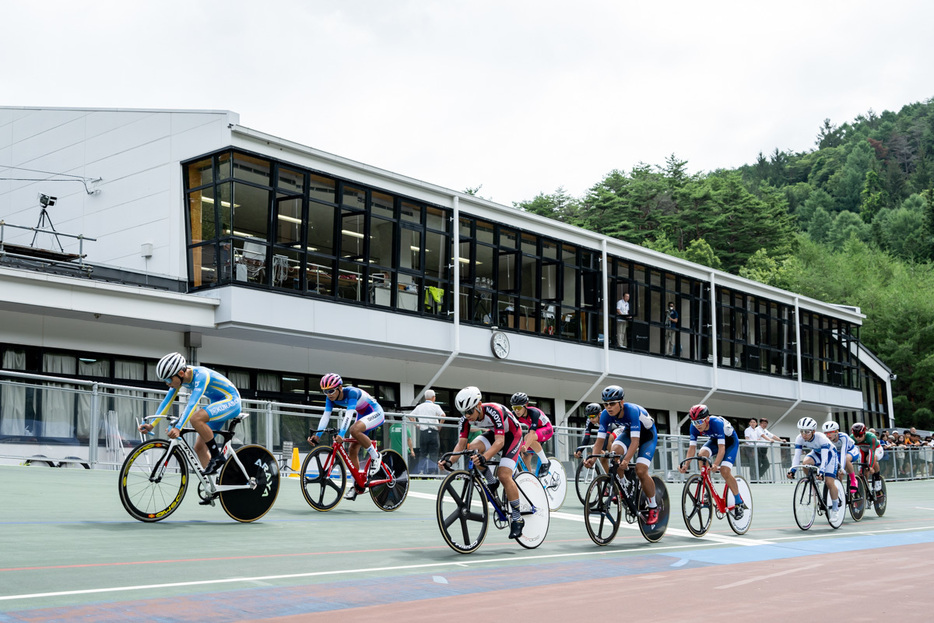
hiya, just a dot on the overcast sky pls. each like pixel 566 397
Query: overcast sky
pixel 516 97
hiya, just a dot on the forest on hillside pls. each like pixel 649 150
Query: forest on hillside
pixel 849 222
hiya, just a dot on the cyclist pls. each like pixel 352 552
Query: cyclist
pixel 363 415
pixel 870 450
pixel 202 382
pixel 636 436
pixel 721 435
pixel 540 428
pixel 846 450
pixel 821 453
pixel 503 435
pixel 592 411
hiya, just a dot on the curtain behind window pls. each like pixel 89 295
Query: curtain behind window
pixel 129 406
pixel 88 368
pixel 58 405
pixel 266 382
pixel 241 380
pixel 12 398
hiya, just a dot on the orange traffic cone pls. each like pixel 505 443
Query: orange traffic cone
pixel 294 467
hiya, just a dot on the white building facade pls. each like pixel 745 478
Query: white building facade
pixel 277 263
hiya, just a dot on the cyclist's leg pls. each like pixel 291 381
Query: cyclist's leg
pixel 359 431
pixel 726 470
pixel 644 455
pixel 207 421
pixel 829 472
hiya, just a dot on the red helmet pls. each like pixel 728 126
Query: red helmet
pixel 699 412
pixel 858 429
pixel 331 381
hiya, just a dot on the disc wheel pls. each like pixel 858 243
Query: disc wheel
pixel 462 512
pixel 603 509
pixel 391 484
pixel 582 479
pixel 856 500
pixel 324 478
pixel 834 518
pixel 804 504
pixel 741 525
pixel 153 481
pixel 534 509
pixel 555 483
pixel 696 506
pixel 880 498
pixel 656 531
pixel 262 474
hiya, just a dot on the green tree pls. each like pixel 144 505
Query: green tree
pixel 760 267
pixel 820 225
pixel 559 206
pixel 700 252
pixel 847 225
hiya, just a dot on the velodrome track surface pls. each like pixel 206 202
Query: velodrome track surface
pixel 69 552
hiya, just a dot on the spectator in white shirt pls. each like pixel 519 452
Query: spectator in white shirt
pixel 427 415
pixel 765 438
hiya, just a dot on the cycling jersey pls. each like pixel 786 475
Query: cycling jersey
pixel 719 433
pixel 870 443
pixel 366 408
pixel 632 421
pixel 844 446
pixel 537 422
pixel 205 383
pixel 589 430
pixel 827 459
pixel 498 420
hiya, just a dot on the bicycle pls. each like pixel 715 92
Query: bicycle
pixel 856 500
pixel 324 477
pixel 879 498
pixel 585 475
pixel 608 496
pixel 554 481
pixel 463 503
pixel 699 501
pixel 811 500
pixel 154 477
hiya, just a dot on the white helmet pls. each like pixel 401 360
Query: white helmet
pixel 807 423
pixel 170 365
pixel 830 427
pixel 467 399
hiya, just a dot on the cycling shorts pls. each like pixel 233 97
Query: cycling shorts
pixel 510 450
pixel 220 412
pixel 830 469
pixel 544 433
pixel 646 451
pixel 729 456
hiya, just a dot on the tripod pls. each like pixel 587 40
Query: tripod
pixel 43 219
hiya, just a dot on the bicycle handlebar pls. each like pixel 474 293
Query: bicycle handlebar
pixel 705 459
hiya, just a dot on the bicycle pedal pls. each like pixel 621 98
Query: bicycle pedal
pixel 207 502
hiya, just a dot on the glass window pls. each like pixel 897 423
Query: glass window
pixel 352 235
pixel 382 236
pixel 437 251
pixel 354 198
pixel 550 249
pixel 382 205
pixel 289 220
pixel 529 243
pixel 410 249
pixel 322 188
pixel 250 211
pixel 436 219
pixel 508 238
pixel 200 173
pixel 223 166
pixel 412 212
pixel 321 228
pixel 201 215
pixel 485 232
pixel 203 264
pixel 251 169
pixel 291 181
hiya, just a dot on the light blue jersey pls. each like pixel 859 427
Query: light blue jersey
pixel 205 383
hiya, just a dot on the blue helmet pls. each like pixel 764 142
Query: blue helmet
pixel 613 393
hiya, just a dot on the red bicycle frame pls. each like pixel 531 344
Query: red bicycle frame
pixel 359 476
pixel 707 484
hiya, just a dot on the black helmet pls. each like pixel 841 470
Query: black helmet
pixel 613 393
pixel 519 399
pixel 592 409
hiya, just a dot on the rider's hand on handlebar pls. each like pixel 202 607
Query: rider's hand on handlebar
pixel 577 454
pixel 313 439
pixel 145 428
pixel 791 473
pixel 480 460
pixel 173 433
pixel 445 465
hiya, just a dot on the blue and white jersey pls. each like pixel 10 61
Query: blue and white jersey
pixel 632 419
pixel 205 383
pixel 844 444
pixel 718 429
pixel 819 443
pixel 352 398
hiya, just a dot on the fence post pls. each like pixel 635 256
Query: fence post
pixel 93 438
pixel 269 438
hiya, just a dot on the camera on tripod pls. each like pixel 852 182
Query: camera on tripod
pixel 46 201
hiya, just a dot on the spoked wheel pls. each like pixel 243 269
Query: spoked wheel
pixel 324 478
pixel 262 474
pixel 696 506
pixel 533 507
pixel 741 525
pixel 555 483
pixel 834 518
pixel 879 497
pixel 582 479
pixel 656 531
pixel 804 504
pixel 390 487
pixel 603 509
pixel 856 500
pixel 462 512
pixel 153 482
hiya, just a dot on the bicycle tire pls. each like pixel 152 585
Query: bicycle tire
pixel 389 496
pixel 696 506
pixel 879 501
pixel 462 525
pixel 582 479
pixel 248 505
pixel 856 501
pixel 835 519
pixel 740 526
pixel 804 504
pixel 323 491
pixel 654 532
pixel 152 501
pixel 534 509
pixel 555 483
pixel 603 509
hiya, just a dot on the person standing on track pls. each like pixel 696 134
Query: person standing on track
pixel 203 382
